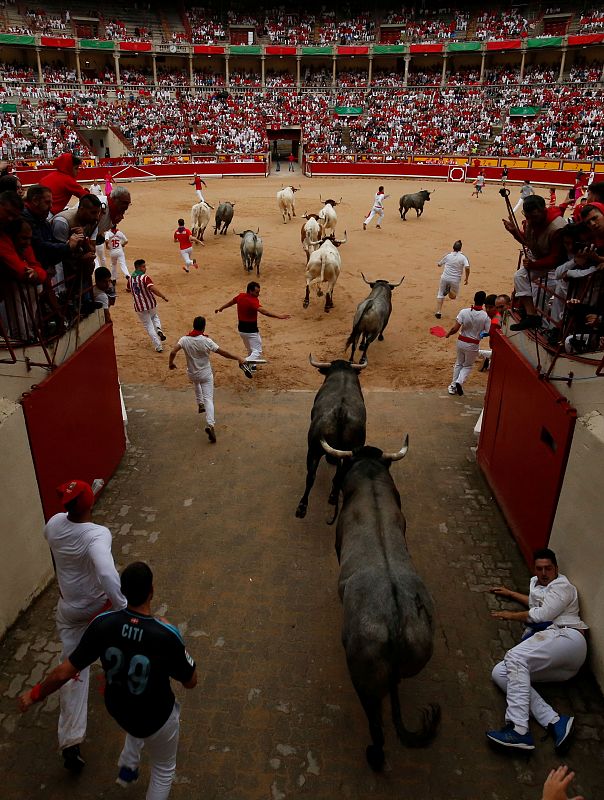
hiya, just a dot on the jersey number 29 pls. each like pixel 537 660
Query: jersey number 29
pixel 138 670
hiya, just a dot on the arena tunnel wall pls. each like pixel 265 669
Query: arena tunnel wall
pixel 74 420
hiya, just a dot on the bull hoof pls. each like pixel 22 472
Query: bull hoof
pixel 375 757
pixel 305 304
pixel 319 293
pixel 301 511
pixel 380 338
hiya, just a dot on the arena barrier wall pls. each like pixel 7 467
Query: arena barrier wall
pixel 74 420
pixel 527 431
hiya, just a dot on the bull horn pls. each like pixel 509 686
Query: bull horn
pixel 359 367
pixel 365 279
pixel 318 364
pixel 319 242
pixel 344 240
pixel 258 231
pixel 333 452
pixel 394 285
pixel 401 453
pixel 339 201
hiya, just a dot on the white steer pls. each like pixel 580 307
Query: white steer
pixel 328 219
pixel 286 202
pixel 200 216
pixel 324 267
pixel 310 233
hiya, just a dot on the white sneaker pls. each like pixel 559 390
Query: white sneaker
pixel 159 349
pixel 451 389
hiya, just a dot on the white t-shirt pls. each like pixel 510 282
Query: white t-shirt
pixel 454 264
pixel 557 602
pixel 100 297
pixel 473 322
pixel 379 200
pixel 197 350
pixel 86 574
pixel 116 241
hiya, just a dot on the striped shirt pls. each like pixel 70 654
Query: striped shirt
pixel 144 300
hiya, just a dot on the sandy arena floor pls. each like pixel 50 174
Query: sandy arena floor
pixel 409 356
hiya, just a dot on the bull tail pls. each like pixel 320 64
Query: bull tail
pixel 352 339
pixel 426 732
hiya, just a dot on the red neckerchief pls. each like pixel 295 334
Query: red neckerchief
pixel 196 333
pixel 476 308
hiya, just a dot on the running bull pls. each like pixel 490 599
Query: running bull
pixel 388 614
pixel 371 317
pixel 338 415
pixel 415 200
pixel 224 217
pixel 251 250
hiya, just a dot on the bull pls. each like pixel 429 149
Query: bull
pixel 251 250
pixel 338 414
pixel 416 201
pixel 286 202
pixel 309 234
pixel 224 217
pixel 328 218
pixel 388 614
pixel 371 317
pixel 324 266
pixel 200 216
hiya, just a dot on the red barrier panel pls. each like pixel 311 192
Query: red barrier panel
pixel 505 44
pixel 74 420
pixel 527 430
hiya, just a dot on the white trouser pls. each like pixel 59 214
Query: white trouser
pixel 467 353
pixel 100 255
pixel 118 259
pixel 73 696
pixel 525 286
pixel 203 383
pixel 152 324
pixel 253 345
pixel 186 256
pixel 445 286
pixel 555 654
pixel 162 747
pixel 375 211
pixel 518 205
pixel 199 195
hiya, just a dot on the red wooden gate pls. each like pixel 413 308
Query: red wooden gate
pixel 74 420
pixel 527 430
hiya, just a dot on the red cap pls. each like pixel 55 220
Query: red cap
pixel 77 490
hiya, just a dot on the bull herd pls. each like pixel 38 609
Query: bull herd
pixel 388 616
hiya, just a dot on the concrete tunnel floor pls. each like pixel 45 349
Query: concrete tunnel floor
pixel 254 591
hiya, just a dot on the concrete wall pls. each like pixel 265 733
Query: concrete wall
pixel 577 532
pixel 25 567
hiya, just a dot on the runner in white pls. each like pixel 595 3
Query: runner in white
pixel 378 208
pixel 88 584
pixel 115 241
pixel 473 323
pixel 197 347
pixel 454 264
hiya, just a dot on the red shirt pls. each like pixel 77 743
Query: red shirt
pixel 247 312
pixel 183 237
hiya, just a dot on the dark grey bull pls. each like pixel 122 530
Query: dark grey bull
pixel 371 316
pixel 415 200
pixel 388 615
pixel 251 250
pixel 338 415
pixel 224 217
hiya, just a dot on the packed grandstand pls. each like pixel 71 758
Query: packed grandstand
pixel 447 81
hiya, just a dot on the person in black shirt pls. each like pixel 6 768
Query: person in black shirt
pixel 139 654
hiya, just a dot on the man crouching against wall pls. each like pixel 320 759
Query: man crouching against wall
pixel 553 648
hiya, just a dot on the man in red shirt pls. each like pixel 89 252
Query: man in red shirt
pixel 62 182
pixel 184 237
pixel 248 308
pixel 197 181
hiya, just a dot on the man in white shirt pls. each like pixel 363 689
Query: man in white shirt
pixel 454 264
pixel 197 347
pixel 377 208
pixel 474 324
pixel 115 241
pixel 88 584
pixel 553 648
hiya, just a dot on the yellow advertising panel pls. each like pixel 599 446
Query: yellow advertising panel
pixel 545 164
pixel 599 168
pixel 572 166
pixel 517 163
pixel 148 160
pixel 489 162
pixel 89 162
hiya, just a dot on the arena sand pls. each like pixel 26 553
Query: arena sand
pixel 409 357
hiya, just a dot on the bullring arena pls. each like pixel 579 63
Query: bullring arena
pixel 252 588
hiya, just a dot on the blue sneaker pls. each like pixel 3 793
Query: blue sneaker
pixel 126 777
pixel 562 731
pixel 508 737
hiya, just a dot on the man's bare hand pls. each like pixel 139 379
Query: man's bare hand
pixel 501 591
pixel 509 225
pixel 556 784
pixel 74 240
pixel 25 701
